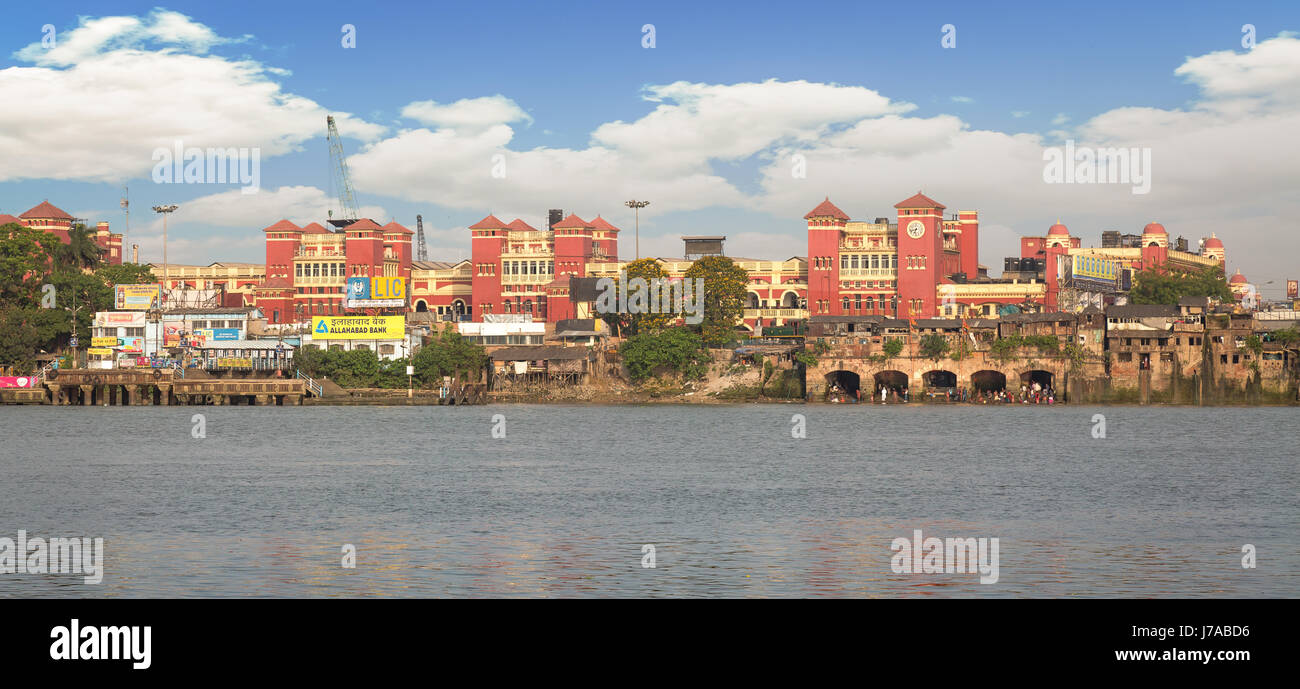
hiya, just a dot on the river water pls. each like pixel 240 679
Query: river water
pixel 562 506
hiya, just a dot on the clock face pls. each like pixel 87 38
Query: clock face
pixel 915 229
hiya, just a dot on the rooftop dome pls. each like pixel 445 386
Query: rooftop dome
pixel 1237 279
pixel 1154 228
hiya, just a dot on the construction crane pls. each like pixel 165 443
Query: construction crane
pixel 342 181
pixel 421 253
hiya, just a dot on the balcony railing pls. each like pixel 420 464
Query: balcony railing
pixel 867 272
pixel 320 280
pixel 776 313
pixel 526 279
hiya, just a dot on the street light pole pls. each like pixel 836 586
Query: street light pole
pixel 166 211
pixel 636 207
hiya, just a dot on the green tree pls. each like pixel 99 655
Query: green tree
pixel 126 274
pixel 725 286
pixel 449 354
pixel 627 324
pixel 1159 285
pixel 677 350
pixel 934 346
pixel 81 251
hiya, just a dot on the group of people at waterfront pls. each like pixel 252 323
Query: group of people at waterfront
pixel 1033 393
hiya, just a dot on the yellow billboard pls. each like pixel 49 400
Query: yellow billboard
pixel 99 351
pixel 136 297
pixel 358 327
pixel 103 342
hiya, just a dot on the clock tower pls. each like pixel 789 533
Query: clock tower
pixel 920 256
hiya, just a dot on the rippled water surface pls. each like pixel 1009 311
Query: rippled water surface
pixel 733 505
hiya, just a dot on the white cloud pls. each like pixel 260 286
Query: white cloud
pixel 467 113
pixel 116 88
pixel 665 156
pixel 1019 113
pixel 228 225
pixel 963 99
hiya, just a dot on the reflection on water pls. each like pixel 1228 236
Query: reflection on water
pixel 734 506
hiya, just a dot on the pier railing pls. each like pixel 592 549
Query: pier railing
pixel 316 388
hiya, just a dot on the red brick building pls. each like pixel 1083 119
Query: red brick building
pixel 307 267
pixel 46 216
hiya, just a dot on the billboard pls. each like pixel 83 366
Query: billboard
pixel 136 297
pixel 110 319
pixel 172 333
pixel 365 292
pixel 358 327
pixel 219 334
pixel 104 342
pixel 100 351
pixel 133 344
pixel 1293 289
pixel 1095 271
pixel 234 362
pixel 17 382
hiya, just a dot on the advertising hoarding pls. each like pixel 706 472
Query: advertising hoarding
pixel 381 292
pixel 358 327
pixel 219 334
pixel 104 342
pixel 136 297
pixel 17 382
pixel 172 333
pixel 108 319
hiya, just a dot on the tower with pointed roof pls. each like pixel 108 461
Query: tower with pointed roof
pixel 826 225
pixel 920 254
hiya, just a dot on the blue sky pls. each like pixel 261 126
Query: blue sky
pixel 1019 69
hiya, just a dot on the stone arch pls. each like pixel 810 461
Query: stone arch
pixel 1046 379
pixel 421 306
pixel 939 378
pixel 752 300
pixel 890 380
pixel 841 381
pixel 790 300
pixel 988 379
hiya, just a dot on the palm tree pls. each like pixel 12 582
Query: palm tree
pixel 81 250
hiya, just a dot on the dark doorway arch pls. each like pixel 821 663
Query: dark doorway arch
pixel 843 383
pixel 893 381
pixel 940 379
pixel 421 307
pixel 1045 379
pixel 989 380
